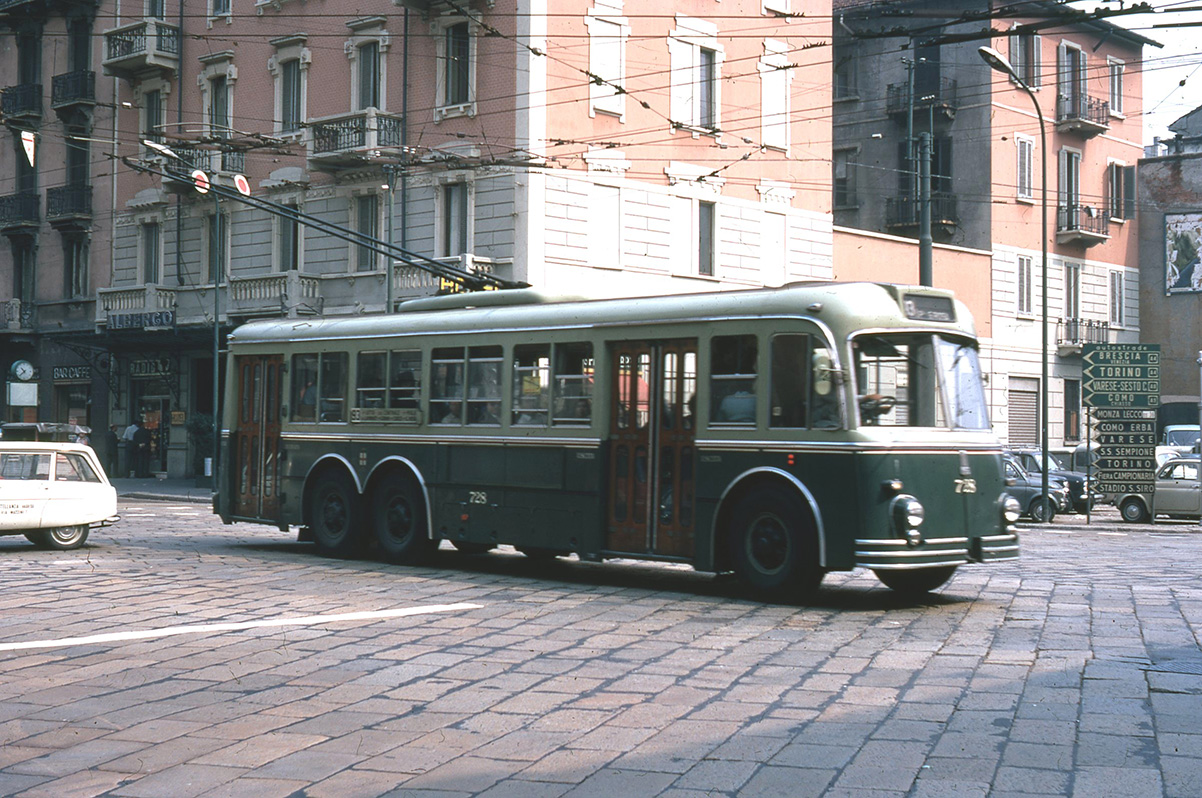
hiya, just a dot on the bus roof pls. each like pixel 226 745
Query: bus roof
pixel 843 307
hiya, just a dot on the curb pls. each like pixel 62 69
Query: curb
pixel 166 497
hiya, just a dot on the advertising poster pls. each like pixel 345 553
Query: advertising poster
pixel 1183 252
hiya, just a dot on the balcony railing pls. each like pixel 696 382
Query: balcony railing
pixel 197 158
pixel 411 282
pixel 1072 334
pixel 150 45
pixel 907 211
pixel 1081 224
pixel 73 88
pixel 287 294
pixel 69 204
pixel 149 299
pixel 19 210
pixel 18 315
pixel 941 97
pixel 23 101
pixel 348 139
pixel 1086 115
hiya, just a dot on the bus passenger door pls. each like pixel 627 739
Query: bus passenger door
pixel 651 452
pixel 257 437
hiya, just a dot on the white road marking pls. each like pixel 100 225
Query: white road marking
pixel 309 620
pixel 1114 534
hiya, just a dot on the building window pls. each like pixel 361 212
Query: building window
pixel 156 9
pixel 1026 167
pixel 368 71
pixel 75 267
pixel 1026 57
pixel 696 65
pixel 219 8
pixel 707 90
pixel 290 96
pixel 1116 69
pixel 775 74
pixel 455 215
pixel 1120 191
pixel 844 179
pixel 1069 190
pixel 1072 290
pixel 605 226
pixel 288 242
pixel 846 75
pixel 457 65
pixel 367 223
pixel 1072 410
pixel 706 228
pixel 607 61
pixel 1071 82
pixel 152 116
pixel 1023 303
pixel 1117 298
pixel 79 45
pixel 217 229
pixel 219 106
pixel 151 255
pixel 289 67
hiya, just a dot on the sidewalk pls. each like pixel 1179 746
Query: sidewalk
pixel 176 490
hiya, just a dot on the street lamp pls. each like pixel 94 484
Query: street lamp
pixel 998 62
pixel 166 151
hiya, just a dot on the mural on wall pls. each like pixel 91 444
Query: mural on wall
pixel 1182 252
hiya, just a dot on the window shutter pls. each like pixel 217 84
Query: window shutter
pixel 682 103
pixel 774 122
pixel 1016 52
pixel 1062 76
pixel 1036 58
pixel 1128 192
pixel 605 61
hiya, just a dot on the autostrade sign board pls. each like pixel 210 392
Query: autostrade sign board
pixel 1121 375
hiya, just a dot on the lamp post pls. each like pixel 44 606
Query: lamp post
pixel 391 171
pixel 218 268
pixel 998 62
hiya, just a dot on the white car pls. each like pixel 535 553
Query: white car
pixel 53 493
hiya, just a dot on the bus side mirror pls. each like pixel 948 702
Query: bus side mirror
pixel 824 375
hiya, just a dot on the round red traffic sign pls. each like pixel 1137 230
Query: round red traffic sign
pixel 242 184
pixel 201 181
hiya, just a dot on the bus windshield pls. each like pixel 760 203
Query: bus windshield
pixel 919 380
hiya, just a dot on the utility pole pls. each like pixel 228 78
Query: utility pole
pixel 925 257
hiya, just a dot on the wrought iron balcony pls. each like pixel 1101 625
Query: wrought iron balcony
pixel 22 102
pixel 1081 224
pixel 72 89
pixel 18 316
pixel 19 212
pixel 1080 113
pixel 940 98
pixel 906 211
pixel 142 48
pixel 351 139
pixel 69 206
pixel 1072 334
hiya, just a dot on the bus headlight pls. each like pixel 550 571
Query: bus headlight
pixel 1011 509
pixel 908 515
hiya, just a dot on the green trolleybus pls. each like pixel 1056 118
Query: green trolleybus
pixel 776 433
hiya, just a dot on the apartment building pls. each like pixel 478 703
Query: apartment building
pixel 594 147
pixel 904 69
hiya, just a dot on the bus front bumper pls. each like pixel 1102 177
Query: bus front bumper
pixel 896 554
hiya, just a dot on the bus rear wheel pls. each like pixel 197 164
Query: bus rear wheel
pixel 916 582
pixel 398 515
pixel 334 516
pixel 774 547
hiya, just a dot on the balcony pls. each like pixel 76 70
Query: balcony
pixel 190 158
pixel 283 295
pixel 939 99
pixel 410 282
pixel 73 91
pixel 903 214
pixel 1081 114
pixel 22 103
pixel 348 140
pixel 69 207
pixel 18 316
pixel 136 307
pixel 1072 334
pixel 141 49
pixel 19 212
pixel 1081 224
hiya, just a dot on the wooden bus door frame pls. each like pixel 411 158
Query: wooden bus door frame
pixel 256 460
pixel 652 456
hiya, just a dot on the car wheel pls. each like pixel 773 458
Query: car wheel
pixel 398 514
pixel 773 545
pixel 1133 511
pixel 1042 512
pixel 60 538
pixel 334 515
pixel 916 582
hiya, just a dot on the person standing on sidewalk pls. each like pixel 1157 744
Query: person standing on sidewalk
pixel 111 440
pixel 141 451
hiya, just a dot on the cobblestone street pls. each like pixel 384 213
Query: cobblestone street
pixel 174 656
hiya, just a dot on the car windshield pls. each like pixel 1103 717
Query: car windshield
pixel 1034 462
pixel 1181 437
pixel 919 380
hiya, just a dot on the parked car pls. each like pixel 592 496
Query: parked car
pixel 1176 494
pixel 1027 488
pixel 1081 493
pixel 53 493
pixel 1181 438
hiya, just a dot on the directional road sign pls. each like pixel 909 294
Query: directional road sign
pixel 1121 375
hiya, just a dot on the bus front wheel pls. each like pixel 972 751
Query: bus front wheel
pixel 334 515
pixel 916 582
pixel 399 520
pixel 773 545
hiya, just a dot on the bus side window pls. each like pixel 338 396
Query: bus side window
pixel 304 387
pixel 732 379
pixel 573 381
pixel 332 387
pixel 790 375
pixel 405 382
pixel 446 385
pixel 369 380
pixel 531 384
pixel 484 385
